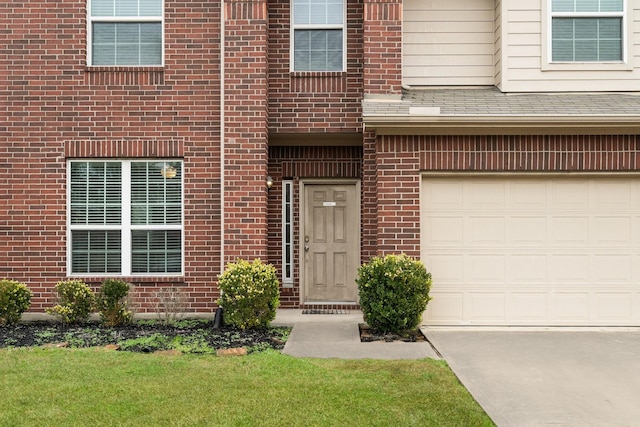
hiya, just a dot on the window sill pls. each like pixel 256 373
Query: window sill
pixel 587 66
pixel 137 76
pixel 126 68
pixel 307 74
pixel 147 280
pixel 318 81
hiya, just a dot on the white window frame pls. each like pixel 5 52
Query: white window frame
pixel 549 65
pixel 287 247
pixel 125 227
pixel 124 19
pixel 294 27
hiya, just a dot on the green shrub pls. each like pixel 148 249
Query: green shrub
pixel 394 292
pixel 15 299
pixel 113 304
pixel 75 301
pixel 250 294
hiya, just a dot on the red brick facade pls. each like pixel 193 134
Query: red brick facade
pixel 383 46
pixel 313 102
pixel 245 135
pixel 55 108
pixel 290 125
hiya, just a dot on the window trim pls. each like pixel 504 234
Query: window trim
pixel 125 227
pixel 287 279
pixel 293 27
pixel 547 39
pixel 117 19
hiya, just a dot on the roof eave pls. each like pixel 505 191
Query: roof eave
pixel 503 125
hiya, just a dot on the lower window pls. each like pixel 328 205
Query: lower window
pixel 125 217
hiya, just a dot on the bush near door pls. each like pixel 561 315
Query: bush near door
pixel 250 294
pixel 394 292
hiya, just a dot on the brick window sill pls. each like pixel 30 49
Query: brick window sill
pixel 312 74
pixel 136 76
pixel 113 69
pixel 146 280
pixel 318 81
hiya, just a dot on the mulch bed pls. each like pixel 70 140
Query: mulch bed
pixel 369 335
pixel 35 334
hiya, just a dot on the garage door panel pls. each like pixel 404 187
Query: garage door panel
pixel 528 194
pixel 486 230
pixel 612 195
pixel 636 308
pixel 527 231
pixel 528 307
pixel 568 269
pixel 487 307
pixel 571 308
pixel 444 231
pixel 614 306
pixel 532 250
pixel 635 229
pixel 611 268
pixel 570 230
pixel 485 268
pixel 485 195
pixel 449 307
pixel 444 195
pixel 527 269
pixel 635 270
pixel 569 195
pixel 449 269
pixel 612 230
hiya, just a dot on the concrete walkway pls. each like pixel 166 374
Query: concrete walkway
pixel 329 336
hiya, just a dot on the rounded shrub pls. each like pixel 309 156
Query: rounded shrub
pixel 394 292
pixel 75 301
pixel 112 302
pixel 250 294
pixel 15 299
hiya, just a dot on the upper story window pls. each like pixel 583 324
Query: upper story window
pixel 125 217
pixel 318 28
pixel 125 32
pixel 587 30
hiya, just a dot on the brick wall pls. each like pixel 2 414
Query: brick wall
pixel 245 143
pixel 382 46
pixel 313 102
pixel 400 159
pixel 53 108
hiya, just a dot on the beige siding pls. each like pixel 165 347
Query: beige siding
pixel 497 56
pixel 449 42
pixel 524 65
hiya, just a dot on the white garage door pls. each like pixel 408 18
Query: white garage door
pixel 532 250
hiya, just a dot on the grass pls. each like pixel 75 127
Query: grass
pixel 97 387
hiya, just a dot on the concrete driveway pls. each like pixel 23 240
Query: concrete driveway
pixel 551 377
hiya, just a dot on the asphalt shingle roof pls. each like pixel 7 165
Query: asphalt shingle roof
pixel 491 102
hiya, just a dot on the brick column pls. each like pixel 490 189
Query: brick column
pixel 398 209
pixel 385 219
pixel 245 144
pixel 382 46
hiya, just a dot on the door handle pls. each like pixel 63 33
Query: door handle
pixel 306 248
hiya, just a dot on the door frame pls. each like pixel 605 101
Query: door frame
pixel 301 215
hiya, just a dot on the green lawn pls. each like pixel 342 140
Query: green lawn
pixel 97 387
